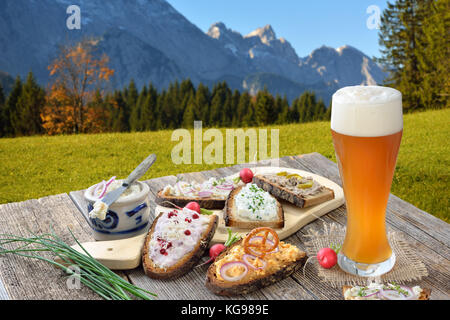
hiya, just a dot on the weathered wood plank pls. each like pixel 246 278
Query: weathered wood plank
pixel 3 294
pixel 25 278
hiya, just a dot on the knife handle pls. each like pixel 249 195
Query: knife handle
pixel 140 170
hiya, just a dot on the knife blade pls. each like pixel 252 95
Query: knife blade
pixel 138 172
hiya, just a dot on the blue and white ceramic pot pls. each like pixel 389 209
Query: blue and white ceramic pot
pixel 127 217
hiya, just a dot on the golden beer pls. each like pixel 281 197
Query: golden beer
pixel 366 128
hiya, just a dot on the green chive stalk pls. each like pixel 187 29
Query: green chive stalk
pixel 92 273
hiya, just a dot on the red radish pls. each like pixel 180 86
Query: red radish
pixel 217 249
pixel 214 252
pixel 194 206
pixel 246 175
pixel 327 257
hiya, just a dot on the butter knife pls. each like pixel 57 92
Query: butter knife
pixel 140 170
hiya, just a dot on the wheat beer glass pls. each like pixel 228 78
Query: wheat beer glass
pixel 367 126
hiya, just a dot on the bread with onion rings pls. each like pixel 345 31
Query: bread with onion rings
pixel 236 272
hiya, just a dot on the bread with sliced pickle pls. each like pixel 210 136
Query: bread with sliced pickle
pixel 300 191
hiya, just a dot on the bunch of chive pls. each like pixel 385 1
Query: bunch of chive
pixel 91 273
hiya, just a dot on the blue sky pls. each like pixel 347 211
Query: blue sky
pixel 307 25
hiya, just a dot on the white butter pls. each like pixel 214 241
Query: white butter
pixel 99 211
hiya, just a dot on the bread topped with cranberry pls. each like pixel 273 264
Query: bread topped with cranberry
pixel 176 241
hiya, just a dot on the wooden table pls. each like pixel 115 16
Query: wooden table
pixel 22 278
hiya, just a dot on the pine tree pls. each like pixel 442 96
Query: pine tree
pixel 189 112
pixel 131 100
pixel 242 109
pixel 202 98
pixel 249 118
pixel 411 48
pixel 186 89
pixel 319 110
pixel 263 107
pixel 149 108
pixel 121 113
pixel 10 113
pixel 434 55
pixel 283 115
pixel 29 107
pixel 235 99
pixel 217 102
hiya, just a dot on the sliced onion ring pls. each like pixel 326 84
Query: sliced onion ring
pixel 228 265
pixel 99 190
pixel 204 194
pixel 246 258
pixel 376 293
pixel 110 181
pixel 392 294
pixel 104 189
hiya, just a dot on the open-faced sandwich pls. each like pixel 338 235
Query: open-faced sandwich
pixel 254 262
pixel 210 194
pixel 300 191
pixel 390 291
pixel 250 207
pixel 176 242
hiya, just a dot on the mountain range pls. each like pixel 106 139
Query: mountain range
pixel 148 40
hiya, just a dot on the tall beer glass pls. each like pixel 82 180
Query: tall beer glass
pixel 367 126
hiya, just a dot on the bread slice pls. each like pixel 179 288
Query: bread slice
pixel 424 295
pixel 187 262
pixel 232 220
pixel 206 203
pixel 282 192
pixel 224 288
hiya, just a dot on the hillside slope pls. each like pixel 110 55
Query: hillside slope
pixel 51 165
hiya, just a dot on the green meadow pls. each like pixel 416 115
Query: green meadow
pixel 33 167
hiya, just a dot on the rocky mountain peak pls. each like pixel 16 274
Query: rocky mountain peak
pixel 266 34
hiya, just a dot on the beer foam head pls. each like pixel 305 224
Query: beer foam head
pixel 367 111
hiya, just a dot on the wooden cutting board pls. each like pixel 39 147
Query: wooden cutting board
pixel 126 253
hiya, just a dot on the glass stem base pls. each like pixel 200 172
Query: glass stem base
pixel 364 269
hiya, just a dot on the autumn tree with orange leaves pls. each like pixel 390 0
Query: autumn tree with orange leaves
pixel 73 99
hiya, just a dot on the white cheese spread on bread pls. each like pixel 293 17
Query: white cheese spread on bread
pixel 253 203
pixel 176 233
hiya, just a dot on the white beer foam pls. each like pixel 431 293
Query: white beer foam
pixel 367 111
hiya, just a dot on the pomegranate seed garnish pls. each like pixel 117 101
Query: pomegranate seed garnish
pixel 163 251
pixel 171 214
pixel 195 216
pixel 187 232
pixel 188 220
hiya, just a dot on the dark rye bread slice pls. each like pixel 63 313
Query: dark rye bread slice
pixel 424 295
pixel 186 263
pixel 232 220
pixel 300 201
pixel 225 288
pixel 206 203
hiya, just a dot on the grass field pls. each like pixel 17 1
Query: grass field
pixel 33 167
